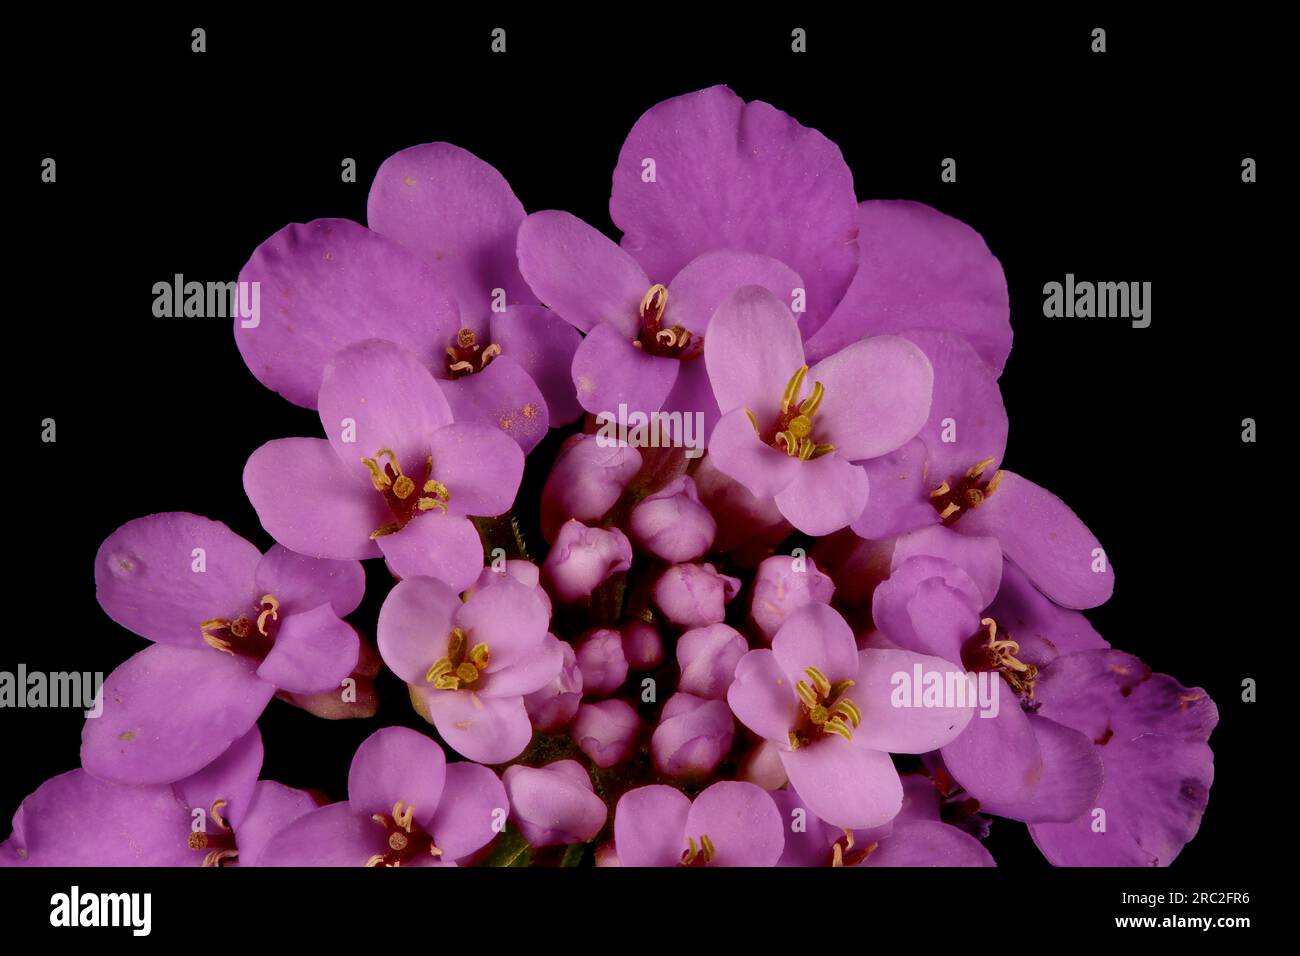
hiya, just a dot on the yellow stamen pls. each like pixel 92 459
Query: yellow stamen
pixel 792 388
pixel 819 681
pixel 654 302
pixel 813 402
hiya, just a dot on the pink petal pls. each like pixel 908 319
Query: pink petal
pixel 752 350
pixel 543 344
pixel 844 783
pixel 300 583
pixel 312 653
pixel 436 545
pixel 827 493
pixel 650 826
pixel 609 371
pixel 906 729
pixel 415 625
pixel 397 764
pixel 488 730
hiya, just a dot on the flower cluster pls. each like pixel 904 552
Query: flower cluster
pixel 792 611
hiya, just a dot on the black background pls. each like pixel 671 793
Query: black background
pixel 1124 166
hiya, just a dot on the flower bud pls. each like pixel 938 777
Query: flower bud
pixel 606 731
pixel 783 584
pixel 582 559
pixel 551 708
pixel 601 660
pixel 708 657
pixel 554 804
pixel 671 524
pixel 642 646
pixel 693 595
pixel 693 736
pixel 585 482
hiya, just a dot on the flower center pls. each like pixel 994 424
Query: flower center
pixel 987 651
pixel 219 846
pixel 698 854
pixel 406 839
pixel 666 342
pixel 843 854
pixel 793 431
pixel 459 669
pixel 823 710
pixel 399 490
pixel 951 498
pixel 245 636
pixel 467 357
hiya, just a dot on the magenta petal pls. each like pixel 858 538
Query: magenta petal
pixel 968 422
pixel 169 712
pixel 161 575
pixel 997 758
pixel 1043 630
pixel 583 276
pixel 504 397
pixel 709 280
pixel 472 801
pixel 75 819
pixel 736 175
pixel 1070 781
pixel 741 821
pixel 900 494
pixel 543 344
pixel 325 285
pixel 827 493
pixel 650 826
pixel 480 466
pixel 528 674
pixel 844 783
pixel 458 214
pixel 1046 539
pixel 397 764
pixel 878 394
pixel 737 451
pixel 1151 733
pixel 507 615
pixel 334 835
pixel 485 729
pixel 313 652
pixel 609 371
pixel 816 636
pixel 274 806
pixel 415 625
pixel 918 268
pixel 310 502
pixel 929 843
pixel 230 778
pixel 891 721
pixel 376 395
pixel 299 582
pixel 762 697
pixel 751 351
pixel 436 545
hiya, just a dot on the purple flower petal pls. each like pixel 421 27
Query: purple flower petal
pixel 75 819
pixel 375 395
pixel 169 712
pixel 736 175
pixel 230 778
pixel 480 466
pixel 488 730
pixel 583 276
pixel 742 822
pixel 397 765
pixel 980 556
pixel 737 451
pixel 650 826
pixel 997 758
pixel 762 696
pixel 1046 539
pixel 906 729
pixel 415 625
pixel 878 394
pixel 334 835
pixel 509 617
pixel 148 577
pixel 845 783
pixel 543 344
pixel 310 502
pixel 300 583
pixel 436 545
pixel 326 285
pixel 274 807
pixel 1043 630
pixel 929 843
pixel 816 636
pixel 900 494
pixel 609 371
pixel 468 810
pixel 827 493
pixel 751 351
pixel 1070 781
pixel 918 268
pixel 504 396
pixel 458 214
pixel 929 605
pixel 312 653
